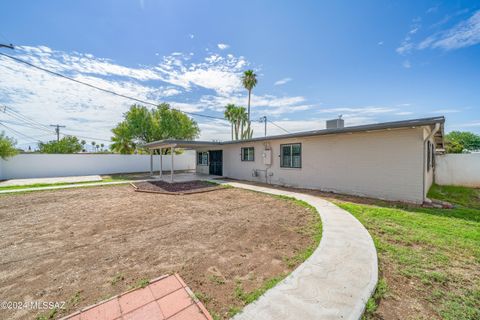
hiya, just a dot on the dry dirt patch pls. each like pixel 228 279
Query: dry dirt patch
pixel 84 245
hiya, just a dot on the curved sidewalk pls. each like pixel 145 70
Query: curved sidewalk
pixel 334 283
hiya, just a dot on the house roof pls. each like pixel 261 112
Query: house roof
pixel 362 128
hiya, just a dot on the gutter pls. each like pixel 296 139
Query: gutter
pixel 432 133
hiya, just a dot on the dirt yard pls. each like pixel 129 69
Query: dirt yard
pixel 84 245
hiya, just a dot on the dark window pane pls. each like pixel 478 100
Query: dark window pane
pixel 286 156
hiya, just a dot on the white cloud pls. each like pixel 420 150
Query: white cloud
pixel 403 113
pixel 464 34
pixel 203 85
pixel 282 81
pixel 406 64
pixel 445 111
pixel 223 46
pixel 407 44
pixel 369 110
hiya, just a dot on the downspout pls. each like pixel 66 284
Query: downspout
pixel 432 133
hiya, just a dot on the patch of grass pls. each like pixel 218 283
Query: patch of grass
pixel 216 279
pixel 233 311
pixel 75 299
pixel 372 303
pixel 203 297
pixel 50 315
pixel 435 251
pixel 142 283
pixel 117 278
pixel 249 297
pixel 466 197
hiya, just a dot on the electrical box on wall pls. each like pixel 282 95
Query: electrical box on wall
pixel 267 157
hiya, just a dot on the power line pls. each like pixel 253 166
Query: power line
pixel 84 137
pixel 11 110
pixel 102 89
pixel 276 125
pixel 37 125
pixel 25 122
pixel 19 133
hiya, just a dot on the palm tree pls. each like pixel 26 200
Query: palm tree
pixel 83 143
pixel 101 146
pixel 122 140
pixel 229 113
pixel 249 81
pixel 93 145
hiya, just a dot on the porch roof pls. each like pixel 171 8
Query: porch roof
pixel 185 144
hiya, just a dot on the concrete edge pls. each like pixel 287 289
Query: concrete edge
pixel 359 307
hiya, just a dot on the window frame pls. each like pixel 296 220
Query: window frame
pixel 291 155
pixel 200 157
pixel 242 153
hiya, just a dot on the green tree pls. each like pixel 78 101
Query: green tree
pixel 142 125
pixel 238 118
pixel 229 115
pixel 68 144
pixel 462 141
pixel 7 146
pixel 93 145
pixel 83 143
pixel 122 140
pixel 249 81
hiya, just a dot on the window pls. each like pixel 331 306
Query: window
pixel 248 154
pixel 430 155
pixel 202 158
pixel 291 155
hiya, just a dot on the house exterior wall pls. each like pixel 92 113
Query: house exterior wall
pixel 381 164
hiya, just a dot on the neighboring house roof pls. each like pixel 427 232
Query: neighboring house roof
pixel 363 128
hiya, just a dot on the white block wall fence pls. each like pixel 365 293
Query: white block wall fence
pixel 458 169
pixel 35 165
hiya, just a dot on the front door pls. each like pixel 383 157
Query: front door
pixel 215 162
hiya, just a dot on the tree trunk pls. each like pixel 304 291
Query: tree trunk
pixel 248 113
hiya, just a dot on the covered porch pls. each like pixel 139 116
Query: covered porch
pixel 157 148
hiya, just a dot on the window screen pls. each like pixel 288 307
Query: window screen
pixel 291 155
pixel 202 158
pixel 248 154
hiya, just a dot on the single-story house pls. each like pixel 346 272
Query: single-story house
pixel 391 160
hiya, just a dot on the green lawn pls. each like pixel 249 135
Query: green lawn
pixel 429 258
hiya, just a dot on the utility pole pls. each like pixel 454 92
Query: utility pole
pixel 264 120
pixel 57 130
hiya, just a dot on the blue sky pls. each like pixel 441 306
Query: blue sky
pixel 371 61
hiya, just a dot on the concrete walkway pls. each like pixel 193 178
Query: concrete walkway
pixel 25 182
pixel 334 283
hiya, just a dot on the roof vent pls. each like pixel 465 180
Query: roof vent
pixel 336 123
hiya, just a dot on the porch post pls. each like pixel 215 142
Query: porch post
pixel 161 166
pixel 151 163
pixel 171 168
